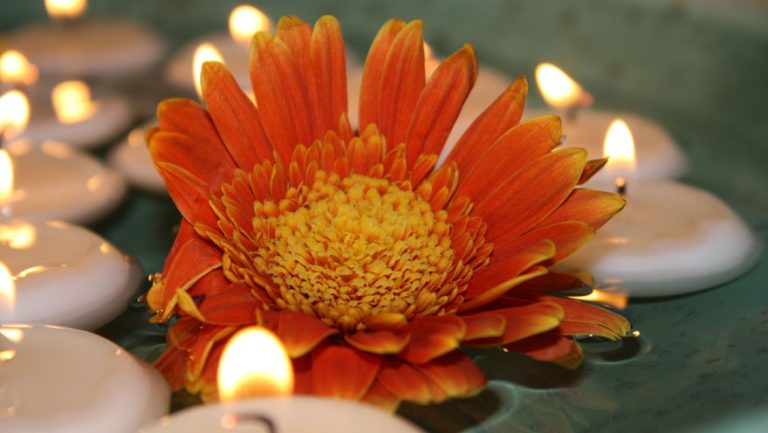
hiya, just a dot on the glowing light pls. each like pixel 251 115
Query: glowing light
pixel 6 176
pixel 18 235
pixel 72 102
pixel 431 62
pixel 619 147
pixel 12 334
pixel 65 9
pixel 7 294
pixel 557 88
pixel 16 69
pixel 7 355
pixel 205 52
pixel 245 21
pixel 254 364
pixel 14 113
pixel 613 299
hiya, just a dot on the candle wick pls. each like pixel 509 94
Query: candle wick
pixel 621 186
pixel 572 113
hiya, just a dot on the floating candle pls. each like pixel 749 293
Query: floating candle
pixel 670 239
pixel 61 380
pixel 77 119
pixel 254 364
pixel 65 275
pixel 86 48
pixel 131 157
pixel 231 47
pixel 658 155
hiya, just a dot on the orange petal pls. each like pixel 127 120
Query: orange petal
pixel 187 152
pixel 510 265
pixel 550 347
pixel 183 333
pixel 500 289
pixel 568 236
pixel 582 318
pixel 235 116
pixel 198 356
pixel 407 383
pixel 455 373
pixel 302 375
pixel 301 333
pixel 515 149
pixel 591 207
pixel 373 73
pixel 440 103
pixel 551 282
pixel 433 336
pixel 189 193
pixel 187 117
pixel 592 167
pixel 402 83
pixel 232 304
pixel 484 325
pixel 343 372
pixel 380 397
pixel 329 66
pixel 171 364
pixel 379 342
pixel 498 118
pixel 281 94
pixel 526 321
pixel 531 194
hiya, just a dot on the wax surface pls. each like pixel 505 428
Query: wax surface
pixel 61 380
pixel 113 116
pixel 670 239
pixel 290 415
pixel 89 47
pixel 54 181
pixel 131 157
pixel 65 275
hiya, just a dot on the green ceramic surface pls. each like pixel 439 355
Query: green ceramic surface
pixel 699 364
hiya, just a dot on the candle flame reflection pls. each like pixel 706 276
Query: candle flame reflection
pixel 72 102
pixel 254 364
pixel 7 355
pixel 7 294
pixel 13 334
pixel 619 148
pixel 65 9
pixel 16 69
pixel 18 235
pixel 245 21
pixel 205 52
pixel 558 89
pixel 614 299
pixel 14 113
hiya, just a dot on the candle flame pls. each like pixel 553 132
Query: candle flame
pixel 16 69
pixel 7 294
pixel 619 147
pixel 72 102
pixel 6 176
pixel 245 21
pixel 558 89
pixel 254 364
pixel 14 113
pixel 18 234
pixel 614 299
pixel 205 52
pixel 12 334
pixel 65 9
pixel 431 62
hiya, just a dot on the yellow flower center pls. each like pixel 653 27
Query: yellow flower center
pixel 358 247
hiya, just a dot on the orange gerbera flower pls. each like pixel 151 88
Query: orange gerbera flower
pixel 372 265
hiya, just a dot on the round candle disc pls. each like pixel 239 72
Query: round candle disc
pixel 131 157
pixel 113 116
pixel 89 47
pixel 179 70
pixel 61 380
pixel 65 275
pixel 288 415
pixel 658 155
pixel 670 239
pixel 54 181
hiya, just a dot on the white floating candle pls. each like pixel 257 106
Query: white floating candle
pixel 254 365
pixel 658 155
pixel 61 380
pixel 78 120
pixel 54 181
pixel 85 48
pixel 65 275
pixel 669 240
pixel 131 157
